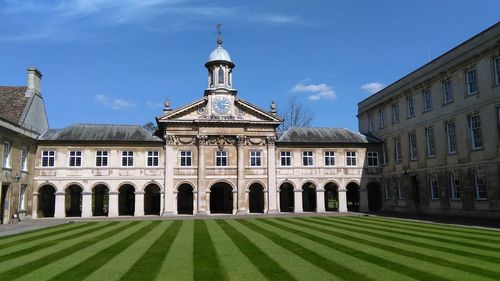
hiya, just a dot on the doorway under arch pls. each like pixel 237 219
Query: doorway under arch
pixel 309 197
pixel 73 201
pixel 100 200
pixel 152 199
pixel 256 198
pixel 287 199
pixel 126 200
pixel 46 201
pixel 331 197
pixel 352 197
pixel 374 196
pixel 185 199
pixel 221 198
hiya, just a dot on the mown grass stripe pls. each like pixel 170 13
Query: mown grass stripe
pixel 306 254
pixel 55 231
pixel 380 261
pixel 452 232
pixel 437 236
pixel 148 265
pixel 47 244
pixel 400 251
pixel 205 261
pixel 92 263
pixel 263 262
pixel 24 269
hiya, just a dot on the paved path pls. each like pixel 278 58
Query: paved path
pixel 28 225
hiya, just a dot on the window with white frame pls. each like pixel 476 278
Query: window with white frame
pixel 471 77
pixel 386 189
pixel 427 100
pixel 385 154
pixel 395 113
pixel 255 158
pixel 221 158
pixel 475 130
pixel 7 148
pixel 429 137
pixel 412 138
pixel 447 93
pixel 307 158
pixel 382 118
pixel 48 158
pixel 153 158
pixel 496 63
pixel 480 184
pixel 371 122
pixel 286 158
pixel 411 107
pixel 127 158
pixel 75 158
pixel 101 158
pixel 451 136
pixel 329 158
pixel 455 187
pixel 24 159
pixel 372 158
pixel 186 158
pixel 433 185
pixel 22 197
pixel 221 76
pixel 400 188
pixel 397 149
pixel 350 158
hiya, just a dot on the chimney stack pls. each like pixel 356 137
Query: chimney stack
pixel 34 77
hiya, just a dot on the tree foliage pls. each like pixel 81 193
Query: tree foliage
pixel 295 114
pixel 150 126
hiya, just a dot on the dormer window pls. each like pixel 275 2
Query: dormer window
pixel 221 76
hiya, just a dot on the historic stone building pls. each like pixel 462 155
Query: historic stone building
pixel 440 131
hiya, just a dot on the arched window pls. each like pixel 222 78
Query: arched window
pixel 229 77
pixel 221 76
pixel 211 77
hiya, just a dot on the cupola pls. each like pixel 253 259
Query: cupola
pixel 219 66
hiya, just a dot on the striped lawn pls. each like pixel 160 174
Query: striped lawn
pixel 305 248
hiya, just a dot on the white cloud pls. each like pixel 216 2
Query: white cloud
pixel 117 104
pixel 154 105
pixel 318 92
pixel 373 87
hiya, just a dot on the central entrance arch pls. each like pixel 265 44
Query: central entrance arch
pixel 256 198
pixel 309 197
pixel 221 198
pixel 374 196
pixel 46 201
pixel 185 199
pixel 352 197
pixel 152 200
pixel 126 200
pixel 331 197
pixel 286 198
pixel 73 201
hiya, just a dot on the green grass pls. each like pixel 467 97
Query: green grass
pixel 305 248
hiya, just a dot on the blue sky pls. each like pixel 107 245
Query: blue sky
pixel 115 61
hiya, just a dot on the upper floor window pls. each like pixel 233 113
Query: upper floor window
pixel 48 158
pixel 350 158
pixel 385 154
pixel 411 107
pixel 101 158
pixel 6 154
pixel 471 81
pixel 397 149
pixel 286 158
pixel 372 158
pixel 455 188
pixel 395 113
pixel 153 158
pixel 221 158
pixel 371 122
pixel 255 159
pixel 412 138
pixel 127 158
pixel 496 62
pixel 401 188
pixel 433 185
pixel 475 130
pixel 451 137
pixel 75 158
pixel 329 158
pixel 24 159
pixel 447 94
pixel 382 118
pixel 221 76
pixel 480 184
pixel 186 158
pixel 429 136
pixel 427 100
pixel 307 158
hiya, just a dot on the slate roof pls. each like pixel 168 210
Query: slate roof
pixel 99 132
pixel 12 103
pixel 324 135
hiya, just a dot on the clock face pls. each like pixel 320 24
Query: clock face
pixel 221 105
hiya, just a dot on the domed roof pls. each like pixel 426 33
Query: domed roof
pixel 219 54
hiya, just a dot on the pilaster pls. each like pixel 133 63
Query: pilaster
pixel 201 194
pixel 241 203
pixel 169 175
pixel 363 200
pixel 343 200
pixel 271 176
pixel 298 201
pixel 139 204
pixel 113 204
pixel 60 211
pixel 320 201
pixel 86 204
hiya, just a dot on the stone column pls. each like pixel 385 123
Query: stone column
pixel 169 175
pixel 320 201
pixel 363 200
pixel 86 204
pixel 298 201
pixel 342 200
pixel 202 200
pixel 266 201
pixel 176 196
pixel 271 176
pixel 113 204
pixel 139 204
pixel 195 202
pixel 241 202
pixel 60 210
pixel 162 201
pixel 34 210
